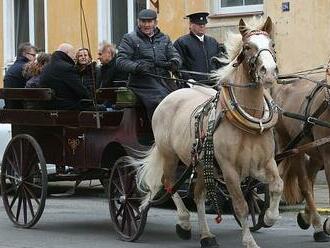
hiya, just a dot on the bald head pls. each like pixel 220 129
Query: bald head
pixel 68 49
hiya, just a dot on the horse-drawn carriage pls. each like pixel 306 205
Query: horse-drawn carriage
pixel 83 145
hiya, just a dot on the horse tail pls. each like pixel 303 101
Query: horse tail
pixel 150 172
pixel 288 172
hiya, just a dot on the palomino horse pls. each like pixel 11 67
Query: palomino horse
pixel 299 171
pixel 243 146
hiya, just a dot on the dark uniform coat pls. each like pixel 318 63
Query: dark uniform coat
pixel 137 47
pixel 62 76
pixel 196 55
pixel 14 79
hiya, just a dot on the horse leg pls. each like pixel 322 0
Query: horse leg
pixel 271 176
pixel 306 177
pixel 183 227
pixel 240 206
pixel 208 239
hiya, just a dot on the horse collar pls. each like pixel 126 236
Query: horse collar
pixel 241 119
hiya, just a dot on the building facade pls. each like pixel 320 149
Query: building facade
pixel 301 27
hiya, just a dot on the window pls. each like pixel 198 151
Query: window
pixel 117 17
pixel 237 6
pixel 24 21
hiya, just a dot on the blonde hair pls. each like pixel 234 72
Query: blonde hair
pixel 34 68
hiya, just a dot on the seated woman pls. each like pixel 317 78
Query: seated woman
pixel 87 70
pixel 32 70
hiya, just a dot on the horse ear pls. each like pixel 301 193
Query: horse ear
pixel 242 27
pixel 268 25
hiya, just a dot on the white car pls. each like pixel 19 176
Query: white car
pixel 5 134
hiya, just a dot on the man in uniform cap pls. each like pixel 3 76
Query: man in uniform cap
pixel 148 55
pixel 197 49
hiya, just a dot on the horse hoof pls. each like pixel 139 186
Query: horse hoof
pixel 321 237
pixel 209 243
pixel 182 233
pixel 261 221
pixel 301 222
pixel 326 226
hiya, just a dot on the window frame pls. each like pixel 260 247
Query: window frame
pixel 218 9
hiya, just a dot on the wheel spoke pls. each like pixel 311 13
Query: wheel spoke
pixel 21 158
pixel 123 221
pixel 252 210
pixel 32 194
pixel 16 162
pixel 19 207
pixel 136 208
pixel 24 207
pixel 120 190
pixel 33 185
pixel 29 204
pixel 120 211
pixel 13 187
pixel 12 165
pixel 133 218
pixel 14 199
pixel 11 177
pixel 120 176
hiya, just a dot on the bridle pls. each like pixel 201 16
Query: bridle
pixel 253 60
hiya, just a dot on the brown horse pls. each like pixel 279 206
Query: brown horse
pixel 298 172
pixel 243 142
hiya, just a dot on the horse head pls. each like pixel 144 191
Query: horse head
pixel 258 54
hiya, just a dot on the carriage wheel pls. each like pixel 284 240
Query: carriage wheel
pixel 257 199
pixel 124 202
pixel 24 181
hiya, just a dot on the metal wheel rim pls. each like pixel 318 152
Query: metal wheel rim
pixel 24 167
pixel 124 202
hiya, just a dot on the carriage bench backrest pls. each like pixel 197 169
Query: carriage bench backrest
pixel 33 94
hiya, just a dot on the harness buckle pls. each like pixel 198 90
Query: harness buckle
pixel 311 120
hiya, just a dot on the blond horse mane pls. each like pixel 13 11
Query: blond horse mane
pixel 233 44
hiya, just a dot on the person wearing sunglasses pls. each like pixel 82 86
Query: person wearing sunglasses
pixel 14 78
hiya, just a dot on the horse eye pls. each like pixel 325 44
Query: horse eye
pixel 247 48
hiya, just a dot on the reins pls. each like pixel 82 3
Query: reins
pixel 201 82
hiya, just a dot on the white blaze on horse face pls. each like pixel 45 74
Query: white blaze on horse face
pixel 267 67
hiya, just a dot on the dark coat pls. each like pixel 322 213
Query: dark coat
pixel 111 76
pixel 88 77
pixel 136 48
pixel 61 75
pixel 196 55
pixel 15 79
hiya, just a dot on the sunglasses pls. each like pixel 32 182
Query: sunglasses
pixel 32 54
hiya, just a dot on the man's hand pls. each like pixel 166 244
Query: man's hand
pixel 171 65
pixel 174 66
pixel 143 68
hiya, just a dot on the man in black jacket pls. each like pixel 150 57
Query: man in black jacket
pixel 61 76
pixel 197 49
pixel 14 77
pixel 148 55
pixel 110 76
